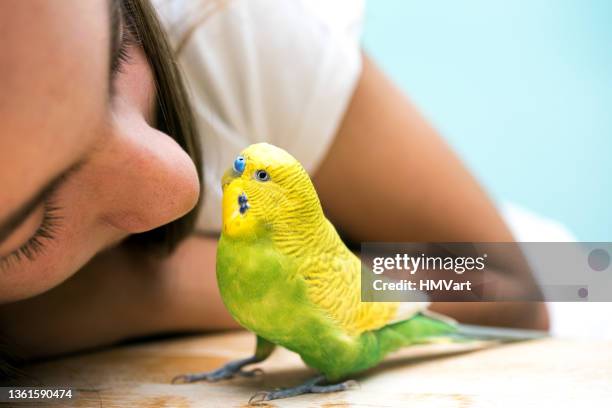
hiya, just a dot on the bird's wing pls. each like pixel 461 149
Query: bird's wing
pixel 333 281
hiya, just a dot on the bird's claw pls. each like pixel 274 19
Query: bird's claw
pixel 311 386
pixel 180 379
pixel 264 396
pixel 222 373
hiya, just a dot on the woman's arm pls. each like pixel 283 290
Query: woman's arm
pixel 387 162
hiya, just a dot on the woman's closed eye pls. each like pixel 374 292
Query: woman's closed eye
pixel 121 55
pixel 29 238
pixel 123 40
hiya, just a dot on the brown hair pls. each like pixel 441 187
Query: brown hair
pixel 174 114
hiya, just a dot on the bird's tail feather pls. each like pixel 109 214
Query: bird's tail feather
pixel 502 334
pixel 424 328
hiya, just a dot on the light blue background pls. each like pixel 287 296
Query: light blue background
pixel 521 89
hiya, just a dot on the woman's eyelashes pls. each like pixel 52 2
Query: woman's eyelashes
pixel 122 53
pixel 36 243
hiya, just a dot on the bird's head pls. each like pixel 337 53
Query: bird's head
pixel 267 190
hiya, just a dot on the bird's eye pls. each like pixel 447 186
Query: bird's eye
pixel 239 164
pixel 262 175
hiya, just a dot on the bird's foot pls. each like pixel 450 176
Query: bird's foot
pixel 230 370
pixel 309 387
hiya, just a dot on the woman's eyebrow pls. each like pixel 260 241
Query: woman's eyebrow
pixel 22 213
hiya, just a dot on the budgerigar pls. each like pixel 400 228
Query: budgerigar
pixel 285 274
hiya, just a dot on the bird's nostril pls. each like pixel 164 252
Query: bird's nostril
pixel 242 199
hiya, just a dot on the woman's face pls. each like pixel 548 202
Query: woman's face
pixel 81 164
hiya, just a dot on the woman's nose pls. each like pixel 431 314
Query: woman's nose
pixel 149 180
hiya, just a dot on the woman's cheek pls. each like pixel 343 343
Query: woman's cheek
pixel 149 180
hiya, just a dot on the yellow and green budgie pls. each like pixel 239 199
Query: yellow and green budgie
pixel 285 274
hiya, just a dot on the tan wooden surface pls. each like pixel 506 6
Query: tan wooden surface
pixel 543 373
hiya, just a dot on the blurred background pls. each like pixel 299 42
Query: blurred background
pixel 523 92
pixel 521 89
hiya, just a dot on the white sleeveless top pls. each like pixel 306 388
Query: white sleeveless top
pixel 279 71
